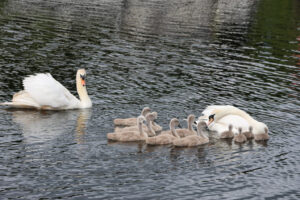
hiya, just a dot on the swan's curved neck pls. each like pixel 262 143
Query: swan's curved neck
pixel 85 100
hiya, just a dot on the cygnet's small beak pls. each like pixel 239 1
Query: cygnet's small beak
pixel 179 126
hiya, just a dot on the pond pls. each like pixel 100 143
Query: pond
pixel 177 57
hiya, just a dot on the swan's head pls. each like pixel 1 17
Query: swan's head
pixel 145 111
pixel 81 76
pixel 218 113
pixel 211 119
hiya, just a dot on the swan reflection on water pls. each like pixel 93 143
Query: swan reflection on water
pixel 42 126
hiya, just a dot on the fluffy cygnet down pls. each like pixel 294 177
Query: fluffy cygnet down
pixel 150 117
pixel 262 136
pixel 183 132
pixel 227 134
pixel 193 140
pixel 249 135
pixel 130 136
pixel 165 138
pixel 240 137
pixel 131 121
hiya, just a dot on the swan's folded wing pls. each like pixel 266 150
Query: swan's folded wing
pixel 46 91
pixel 211 109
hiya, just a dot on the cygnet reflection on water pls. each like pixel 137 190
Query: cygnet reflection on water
pixel 42 126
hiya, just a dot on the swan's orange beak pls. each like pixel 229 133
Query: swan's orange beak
pixel 82 82
pixel 210 121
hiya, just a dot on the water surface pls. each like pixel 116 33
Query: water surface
pixel 176 57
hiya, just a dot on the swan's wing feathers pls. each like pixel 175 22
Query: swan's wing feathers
pixel 46 91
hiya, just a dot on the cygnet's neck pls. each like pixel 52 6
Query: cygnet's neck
pixel 173 130
pixel 200 133
pixel 190 124
pixel 149 125
pixel 142 133
pixel 85 101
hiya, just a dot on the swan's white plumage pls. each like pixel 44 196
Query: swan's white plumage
pixel 45 90
pixel 42 91
pixel 230 115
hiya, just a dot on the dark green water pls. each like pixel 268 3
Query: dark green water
pixel 176 57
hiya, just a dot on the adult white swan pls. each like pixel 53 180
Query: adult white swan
pixel 218 118
pixel 42 91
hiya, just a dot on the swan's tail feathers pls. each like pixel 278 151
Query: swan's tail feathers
pixel 17 105
pixel 6 104
pixel 21 100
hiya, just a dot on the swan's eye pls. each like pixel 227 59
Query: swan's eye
pixel 82 77
pixel 211 116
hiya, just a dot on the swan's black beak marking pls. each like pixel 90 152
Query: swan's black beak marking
pixel 195 122
pixel 82 79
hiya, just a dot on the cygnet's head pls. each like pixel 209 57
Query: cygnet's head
pixel 230 127
pixel 81 76
pixel 191 118
pixel 266 130
pixel 145 111
pixel 250 129
pixel 155 114
pixel 201 126
pixel 141 119
pixel 151 116
pixel 240 130
pixel 174 122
